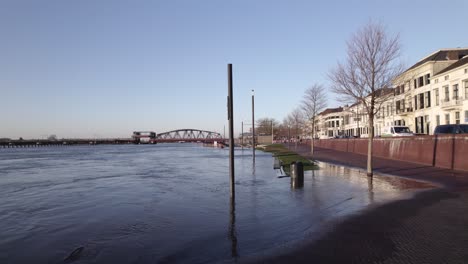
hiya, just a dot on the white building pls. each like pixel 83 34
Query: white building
pixel 424 92
pixel 329 123
pixel 431 92
pixel 450 87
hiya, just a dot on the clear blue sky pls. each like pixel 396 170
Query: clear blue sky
pixel 106 68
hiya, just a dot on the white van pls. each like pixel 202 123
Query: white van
pixel 396 131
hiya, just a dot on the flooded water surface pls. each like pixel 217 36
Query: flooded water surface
pixel 167 203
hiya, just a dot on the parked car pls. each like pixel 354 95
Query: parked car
pixel 396 131
pixel 341 136
pixel 451 129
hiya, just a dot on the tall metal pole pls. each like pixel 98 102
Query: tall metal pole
pixel 231 131
pixel 242 135
pixel 253 125
pixel 271 131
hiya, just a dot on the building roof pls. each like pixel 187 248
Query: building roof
pixel 382 92
pixel 331 110
pixel 442 55
pixel 356 103
pixel 455 65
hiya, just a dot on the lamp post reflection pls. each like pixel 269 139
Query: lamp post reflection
pixel 370 189
pixel 232 230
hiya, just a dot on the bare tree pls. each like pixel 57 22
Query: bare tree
pixel 314 102
pixel 264 126
pixel 367 73
pixel 297 119
pixel 281 131
pixel 287 124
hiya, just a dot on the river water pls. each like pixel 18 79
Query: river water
pixel 167 203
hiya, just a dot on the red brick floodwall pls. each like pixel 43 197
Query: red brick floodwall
pixel 445 151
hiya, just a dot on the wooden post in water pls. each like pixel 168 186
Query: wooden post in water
pixel 231 131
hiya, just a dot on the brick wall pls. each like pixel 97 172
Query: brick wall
pixel 446 151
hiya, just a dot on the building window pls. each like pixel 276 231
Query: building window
pixel 446 99
pixel 457 117
pixel 436 81
pixel 466 70
pixel 447 119
pixel 438 119
pixel 415 83
pixel 455 91
pixel 421 100
pixel 466 89
pixel 466 117
pixel 427 80
pixel 419 121
pixel 427 99
pixel 421 81
pixel 436 92
pixel 446 77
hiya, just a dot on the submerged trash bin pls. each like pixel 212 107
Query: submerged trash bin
pixel 297 174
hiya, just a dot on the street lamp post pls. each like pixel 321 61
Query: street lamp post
pixel 253 124
pixel 231 132
pixel 271 131
pixel 242 136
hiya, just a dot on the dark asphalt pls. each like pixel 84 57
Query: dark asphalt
pixel 432 227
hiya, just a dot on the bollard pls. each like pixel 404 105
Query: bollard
pixel 297 174
pixel 292 170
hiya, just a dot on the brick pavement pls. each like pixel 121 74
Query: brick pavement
pixel 432 227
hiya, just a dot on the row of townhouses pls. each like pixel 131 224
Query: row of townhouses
pixel 433 91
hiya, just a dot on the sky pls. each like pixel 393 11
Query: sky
pixel 100 69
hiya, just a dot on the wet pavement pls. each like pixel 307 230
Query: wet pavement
pixel 428 228
pixel 455 180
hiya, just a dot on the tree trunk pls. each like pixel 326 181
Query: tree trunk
pixel 296 137
pixel 312 139
pixel 369 147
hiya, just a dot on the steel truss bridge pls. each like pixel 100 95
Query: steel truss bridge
pixel 189 135
pixel 180 135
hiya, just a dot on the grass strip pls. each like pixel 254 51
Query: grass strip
pixel 286 157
